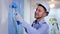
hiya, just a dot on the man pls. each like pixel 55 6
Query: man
pixel 39 26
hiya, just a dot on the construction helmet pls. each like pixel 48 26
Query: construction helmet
pixel 45 5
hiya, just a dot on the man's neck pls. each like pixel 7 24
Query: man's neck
pixel 39 19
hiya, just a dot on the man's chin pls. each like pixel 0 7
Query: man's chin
pixel 37 17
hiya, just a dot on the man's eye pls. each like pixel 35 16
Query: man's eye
pixel 39 10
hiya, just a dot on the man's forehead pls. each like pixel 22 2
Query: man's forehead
pixel 39 7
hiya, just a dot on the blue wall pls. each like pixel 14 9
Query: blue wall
pixel 12 28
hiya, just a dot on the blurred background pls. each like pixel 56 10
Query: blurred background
pixel 29 9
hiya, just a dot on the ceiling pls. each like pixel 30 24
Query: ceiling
pixel 55 2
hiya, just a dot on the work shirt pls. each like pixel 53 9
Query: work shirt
pixel 36 28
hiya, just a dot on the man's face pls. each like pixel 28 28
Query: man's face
pixel 40 12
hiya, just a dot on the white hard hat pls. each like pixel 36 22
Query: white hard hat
pixel 45 4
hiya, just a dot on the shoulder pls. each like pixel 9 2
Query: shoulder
pixel 45 26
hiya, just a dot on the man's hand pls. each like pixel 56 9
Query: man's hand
pixel 19 17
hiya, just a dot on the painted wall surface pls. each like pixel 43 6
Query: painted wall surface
pixel 13 26
pixel 6 24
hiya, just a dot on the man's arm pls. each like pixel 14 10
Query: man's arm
pixel 29 28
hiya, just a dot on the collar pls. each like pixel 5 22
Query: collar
pixel 40 22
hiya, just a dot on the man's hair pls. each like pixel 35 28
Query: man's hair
pixel 44 8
